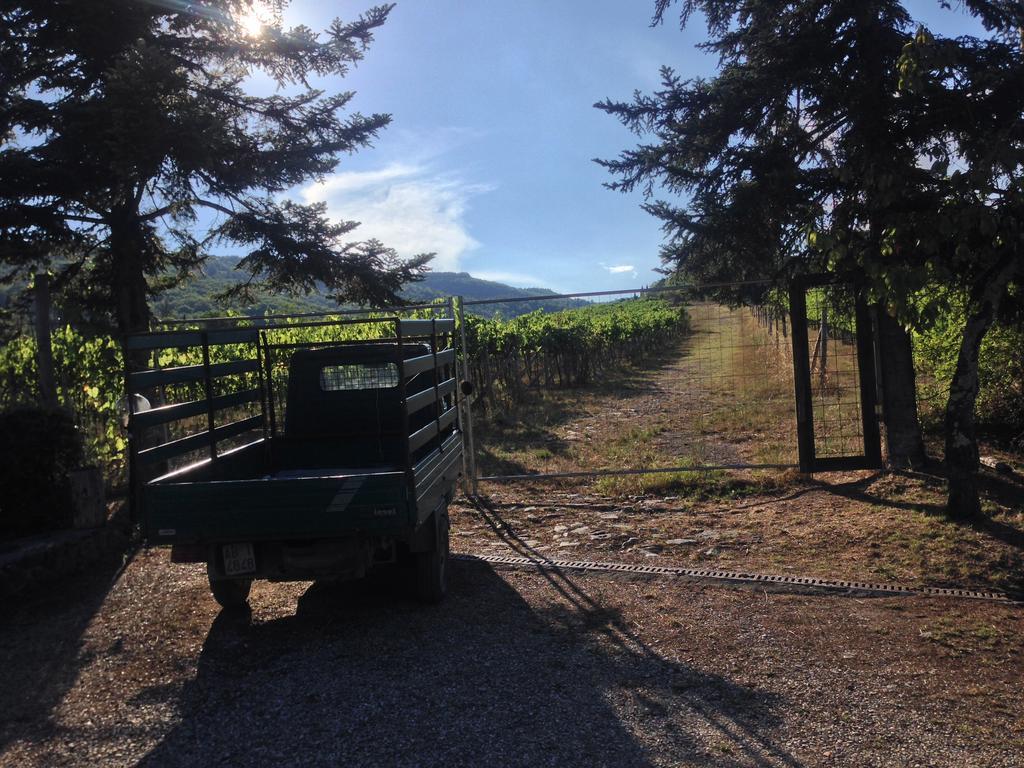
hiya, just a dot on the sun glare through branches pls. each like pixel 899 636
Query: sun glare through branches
pixel 255 20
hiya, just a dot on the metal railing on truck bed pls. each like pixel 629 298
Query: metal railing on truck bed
pixel 205 395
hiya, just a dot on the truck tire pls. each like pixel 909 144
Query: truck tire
pixel 431 568
pixel 230 593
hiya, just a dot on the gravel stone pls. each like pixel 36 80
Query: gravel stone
pixel 515 668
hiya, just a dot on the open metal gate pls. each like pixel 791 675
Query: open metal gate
pixel 834 375
pixel 813 344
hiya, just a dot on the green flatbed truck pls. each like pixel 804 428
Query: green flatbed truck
pixel 308 460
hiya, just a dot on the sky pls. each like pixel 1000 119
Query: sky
pixel 489 159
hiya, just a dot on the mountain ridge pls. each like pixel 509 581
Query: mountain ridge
pixel 196 297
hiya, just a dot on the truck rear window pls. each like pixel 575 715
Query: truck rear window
pixel 354 376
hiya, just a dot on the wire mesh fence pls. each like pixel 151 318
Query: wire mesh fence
pixel 835 375
pixel 668 381
pixel 707 389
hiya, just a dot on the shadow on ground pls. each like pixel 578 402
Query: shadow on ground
pixel 361 676
pixel 36 673
pixel 1002 490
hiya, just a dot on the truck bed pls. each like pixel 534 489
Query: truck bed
pixel 358 439
pixel 250 501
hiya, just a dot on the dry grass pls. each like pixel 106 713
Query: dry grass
pixel 723 396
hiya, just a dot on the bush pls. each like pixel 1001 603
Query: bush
pixel 88 375
pixel 1000 406
pixel 38 447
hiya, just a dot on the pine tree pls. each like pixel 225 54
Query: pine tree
pixel 132 144
pixel 805 153
pixel 970 236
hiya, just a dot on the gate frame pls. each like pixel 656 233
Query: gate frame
pixel 809 461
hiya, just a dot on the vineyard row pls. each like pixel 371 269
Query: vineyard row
pixel 572 348
pixel 505 358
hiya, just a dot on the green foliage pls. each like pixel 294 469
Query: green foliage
pixel 1000 404
pixel 568 348
pixel 38 449
pixel 88 374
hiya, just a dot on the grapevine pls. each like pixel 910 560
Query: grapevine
pixel 503 358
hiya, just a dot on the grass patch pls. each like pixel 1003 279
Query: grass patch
pixel 698 484
pixel 962 638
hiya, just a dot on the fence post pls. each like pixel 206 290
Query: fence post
pixel 468 448
pixel 823 338
pixel 44 351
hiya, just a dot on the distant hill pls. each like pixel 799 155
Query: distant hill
pixel 196 298
pixel 441 284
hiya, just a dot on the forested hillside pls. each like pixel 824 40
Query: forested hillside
pixel 198 296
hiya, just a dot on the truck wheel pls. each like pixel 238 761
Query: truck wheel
pixel 230 593
pixel 431 571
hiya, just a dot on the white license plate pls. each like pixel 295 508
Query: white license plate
pixel 238 559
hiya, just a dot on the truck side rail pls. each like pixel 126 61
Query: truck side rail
pixel 419 401
pixel 441 396
pixel 203 384
pixel 420 437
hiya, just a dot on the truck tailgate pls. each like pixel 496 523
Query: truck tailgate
pixel 277 508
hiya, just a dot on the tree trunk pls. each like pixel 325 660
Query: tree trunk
pixel 131 308
pixel 904 444
pixel 130 295
pixel 820 360
pixel 961 437
pixel 44 350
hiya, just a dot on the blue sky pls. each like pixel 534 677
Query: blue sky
pixel 488 159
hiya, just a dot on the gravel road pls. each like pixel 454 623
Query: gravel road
pixel 516 668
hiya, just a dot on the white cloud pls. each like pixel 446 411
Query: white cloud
pixel 350 181
pixel 408 206
pixel 620 269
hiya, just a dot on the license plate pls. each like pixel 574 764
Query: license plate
pixel 239 559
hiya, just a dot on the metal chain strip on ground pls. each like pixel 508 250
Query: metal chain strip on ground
pixel 847 588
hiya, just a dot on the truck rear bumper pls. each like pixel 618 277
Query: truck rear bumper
pixel 345 558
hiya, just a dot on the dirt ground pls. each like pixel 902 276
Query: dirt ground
pixel 529 667
pixel 724 394
pixel 516 667
pixel 864 526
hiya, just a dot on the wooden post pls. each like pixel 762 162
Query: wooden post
pixel 823 339
pixel 44 351
pixel 802 375
pixel 469 446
